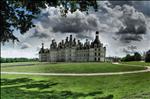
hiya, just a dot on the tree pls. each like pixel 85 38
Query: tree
pixel 137 56
pixel 147 57
pixel 128 57
pixel 18 14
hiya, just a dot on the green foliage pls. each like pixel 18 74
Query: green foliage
pixel 18 14
pixel 10 60
pixel 147 57
pixel 135 57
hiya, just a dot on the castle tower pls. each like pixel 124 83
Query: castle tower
pixel 70 41
pixel 70 38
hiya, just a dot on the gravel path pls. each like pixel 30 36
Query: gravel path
pixel 79 74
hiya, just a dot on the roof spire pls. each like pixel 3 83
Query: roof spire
pixel 42 45
pixel 97 41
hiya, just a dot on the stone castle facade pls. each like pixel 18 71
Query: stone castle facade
pixel 72 51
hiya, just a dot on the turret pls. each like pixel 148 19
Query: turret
pixel 70 38
pixel 53 45
pixel 42 49
pixel 78 42
pixel 70 41
pixel 97 41
pixel 42 45
pixel 74 42
pixel 66 40
pixel 62 42
pixel 97 35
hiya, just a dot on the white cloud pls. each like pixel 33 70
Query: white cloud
pixel 11 53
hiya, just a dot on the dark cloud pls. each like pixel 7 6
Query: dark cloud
pixel 130 49
pixel 25 46
pixel 77 23
pixel 121 2
pixel 134 25
pixel 124 50
pixel 129 38
pixel 82 36
pixel 142 6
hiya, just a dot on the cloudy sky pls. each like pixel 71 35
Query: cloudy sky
pixel 124 27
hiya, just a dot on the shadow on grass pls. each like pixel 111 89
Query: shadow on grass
pixel 19 89
pixel 14 81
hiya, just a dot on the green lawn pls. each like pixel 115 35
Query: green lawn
pixel 18 63
pixel 137 63
pixel 131 86
pixel 69 67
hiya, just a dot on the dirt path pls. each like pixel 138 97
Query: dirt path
pixel 78 74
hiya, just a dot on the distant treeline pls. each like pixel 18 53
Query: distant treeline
pixel 10 60
pixel 137 57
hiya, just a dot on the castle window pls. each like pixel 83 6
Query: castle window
pixel 99 54
pixel 95 45
pixel 98 59
pixel 95 54
pixel 95 58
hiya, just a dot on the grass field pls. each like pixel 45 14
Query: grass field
pixel 129 86
pixel 18 63
pixel 137 63
pixel 69 67
pixel 133 86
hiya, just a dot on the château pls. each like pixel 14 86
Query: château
pixel 71 50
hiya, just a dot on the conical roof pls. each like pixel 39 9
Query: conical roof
pixel 97 41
